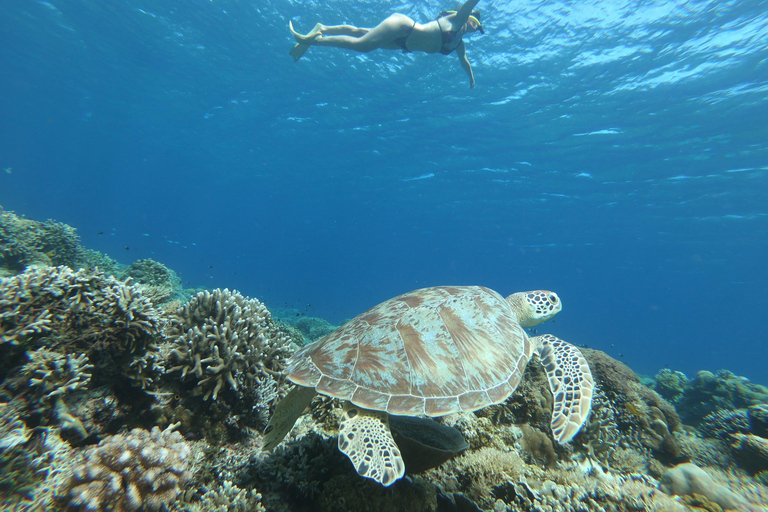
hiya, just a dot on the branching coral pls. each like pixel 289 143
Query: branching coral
pixel 226 340
pixel 131 471
pixel 52 376
pixel 81 312
pixel 86 310
pixel 33 462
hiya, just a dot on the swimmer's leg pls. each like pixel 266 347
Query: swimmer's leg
pixel 306 39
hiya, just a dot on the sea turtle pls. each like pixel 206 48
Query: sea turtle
pixel 431 352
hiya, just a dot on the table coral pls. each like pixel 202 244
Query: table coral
pixel 133 471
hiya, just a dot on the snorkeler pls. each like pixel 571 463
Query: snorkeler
pixel 399 32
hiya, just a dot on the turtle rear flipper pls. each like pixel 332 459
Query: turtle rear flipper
pixel 365 438
pixel 571 383
pixel 286 413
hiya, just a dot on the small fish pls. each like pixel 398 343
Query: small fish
pixel 127 248
pixel 8 170
pixel 100 233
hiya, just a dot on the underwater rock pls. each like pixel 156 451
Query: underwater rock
pixel 688 479
pixel 138 470
pixel 425 443
pixel 751 452
pixel 758 420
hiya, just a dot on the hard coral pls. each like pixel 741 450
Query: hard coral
pixel 25 242
pixel 223 339
pixel 645 420
pixel 79 312
pixel 86 310
pixel 157 281
pixel 709 392
pixel 131 471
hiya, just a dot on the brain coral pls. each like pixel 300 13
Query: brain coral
pixel 223 339
pixel 131 471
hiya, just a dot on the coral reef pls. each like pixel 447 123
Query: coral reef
pixel 84 312
pixel 689 480
pixel 723 391
pixel 26 242
pixel 314 328
pixel 645 421
pixel 751 452
pixel 139 470
pixel 157 282
pixel 225 341
pixel 33 462
pixel 670 384
pixel 226 498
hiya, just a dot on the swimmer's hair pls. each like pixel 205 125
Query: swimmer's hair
pixel 474 15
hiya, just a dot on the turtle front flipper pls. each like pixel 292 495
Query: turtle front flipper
pixel 365 438
pixel 571 383
pixel 286 413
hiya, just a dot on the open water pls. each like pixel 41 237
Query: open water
pixel 612 151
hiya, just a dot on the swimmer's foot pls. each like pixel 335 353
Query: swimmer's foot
pixel 309 38
pixel 298 50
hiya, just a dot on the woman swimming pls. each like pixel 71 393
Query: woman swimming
pixel 399 32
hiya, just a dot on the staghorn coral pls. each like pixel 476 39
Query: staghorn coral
pixel 224 340
pixel 600 436
pixel 128 472
pixel 87 310
pixel 79 312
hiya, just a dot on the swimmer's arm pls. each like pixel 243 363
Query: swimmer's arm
pixel 461 52
pixel 463 15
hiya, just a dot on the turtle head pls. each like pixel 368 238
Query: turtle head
pixel 534 307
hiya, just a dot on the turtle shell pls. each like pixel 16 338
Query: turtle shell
pixel 432 352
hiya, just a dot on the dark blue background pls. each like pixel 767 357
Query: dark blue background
pixel 613 152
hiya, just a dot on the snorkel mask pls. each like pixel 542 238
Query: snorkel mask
pixel 475 16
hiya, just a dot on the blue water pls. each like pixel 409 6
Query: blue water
pixel 614 152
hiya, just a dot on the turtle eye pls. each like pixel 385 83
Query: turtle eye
pixel 553 299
